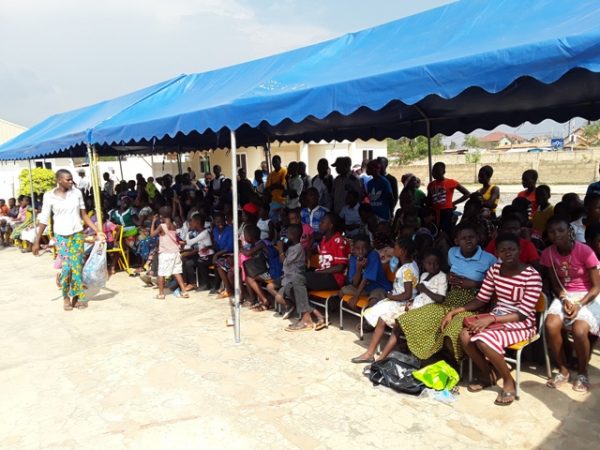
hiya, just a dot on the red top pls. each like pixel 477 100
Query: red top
pixel 527 255
pixel 441 193
pixel 333 252
pixel 532 199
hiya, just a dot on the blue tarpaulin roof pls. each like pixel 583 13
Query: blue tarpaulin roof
pixel 470 64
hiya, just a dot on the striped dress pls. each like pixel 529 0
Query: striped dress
pixel 520 294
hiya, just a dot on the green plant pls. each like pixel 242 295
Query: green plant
pixel 473 158
pixel 471 141
pixel 404 151
pixel 43 180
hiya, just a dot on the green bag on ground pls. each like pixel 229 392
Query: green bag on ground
pixel 438 376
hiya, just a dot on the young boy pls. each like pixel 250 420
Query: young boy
pixel 440 193
pixel 293 283
pixel 529 180
pixel 350 215
pixel 365 273
pixel 544 211
pixel 313 213
pixel 169 260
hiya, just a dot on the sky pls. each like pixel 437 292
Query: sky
pixel 57 55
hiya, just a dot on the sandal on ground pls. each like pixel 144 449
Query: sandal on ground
pixel 160 296
pixel 582 384
pixel 321 325
pixel 478 385
pixel 260 307
pixel 249 304
pixel 301 326
pixel 504 398
pixel 557 381
pixel 224 294
pixel 80 305
pixel 178 294
pixel 361 360
pixel 67 306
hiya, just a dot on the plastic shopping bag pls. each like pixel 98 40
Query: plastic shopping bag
pixel 438 376
pixel 95 273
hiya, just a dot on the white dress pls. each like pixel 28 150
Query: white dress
pixel 438 285
pixel 390 310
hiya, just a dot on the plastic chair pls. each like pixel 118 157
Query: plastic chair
pixel 123 252
pixel 540 309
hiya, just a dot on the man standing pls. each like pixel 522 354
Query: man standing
pixel 440 193
pixel 245 188
pixel 529 181
pixel 344 182
pixel 323 182
pixel 214 188
pixel 275 186
pixel 82 183
pixel 109 185
pixel 391 178
pixel 294 187
pixel 379 192
pixel 306 179
pixel 192 174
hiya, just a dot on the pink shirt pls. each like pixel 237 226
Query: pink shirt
pixel 572 270
pixel 108 229
pixel 167 243
pixel 307 233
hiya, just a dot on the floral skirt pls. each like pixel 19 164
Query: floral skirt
pixel 421 326
pixel 71 250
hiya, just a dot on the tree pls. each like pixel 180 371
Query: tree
pixel 471 141
pixel 43 180
pixel 404 151
pixel 591 132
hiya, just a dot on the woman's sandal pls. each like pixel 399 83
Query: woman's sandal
pixel 224 294
pixel 260 307
pixel 321 325
pixel 249 304
pixel 160 296
pixel 301 326
pixel 503 396
pixel 582 383
pixel 79 304
pixel 67 306
pixel 557 381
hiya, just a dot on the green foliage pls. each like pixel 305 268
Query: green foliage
pixel 471 141
pixel 473 158
pixel 591 133
pixel 404 151
pixel 43 180
pixel 452 145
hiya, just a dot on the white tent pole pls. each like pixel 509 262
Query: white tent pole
pixel 121 167
pixel 32 193
pixel 236 250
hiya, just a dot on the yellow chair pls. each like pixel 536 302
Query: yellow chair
pixel 123 252
pixel 540 311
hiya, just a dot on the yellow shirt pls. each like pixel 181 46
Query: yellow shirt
pixel 540 218
pixel 277 177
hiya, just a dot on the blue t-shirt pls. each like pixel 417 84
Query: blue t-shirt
pixel 313 217
pixel 379 191
pixel 373 272
pixel 473 268
pixel 223 240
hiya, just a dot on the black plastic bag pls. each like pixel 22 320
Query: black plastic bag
pixel 394 374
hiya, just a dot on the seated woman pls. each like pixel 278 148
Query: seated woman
pixel 572 268
pixel 517 287
pixel 23 220
pixel 124 216
pixel 468 265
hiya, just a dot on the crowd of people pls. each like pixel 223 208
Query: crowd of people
pixel 437 280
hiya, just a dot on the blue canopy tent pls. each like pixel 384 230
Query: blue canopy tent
pixel 470 64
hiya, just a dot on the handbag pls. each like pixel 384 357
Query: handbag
pixel 256 266
pixel 395 374
pixel 468 321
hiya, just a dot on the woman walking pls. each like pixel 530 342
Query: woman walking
pixel 66 205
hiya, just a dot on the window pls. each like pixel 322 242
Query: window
pixel 205 164
pixel 241 162
pixel 367 155
pixel 47 165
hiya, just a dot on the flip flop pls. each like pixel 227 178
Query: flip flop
pixel 503 396
pixel 300 326
pixel 160 296
pixel 582 384
pixel 321 325
pixel 67 306
pixel 359 360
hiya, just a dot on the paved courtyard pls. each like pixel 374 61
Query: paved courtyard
pixel 134 372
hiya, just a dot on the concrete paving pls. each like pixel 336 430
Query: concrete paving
pixel 137 373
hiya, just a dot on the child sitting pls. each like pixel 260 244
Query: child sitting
pixel 365 274
pixel 433 283
pixel 169 260
pixel 385 313
pixel 197 258
pixel 292 286
pixel 264 224
pixel 350 215
pixel 313 213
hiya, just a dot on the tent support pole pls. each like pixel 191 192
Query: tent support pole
pixel 428 128
pixel 121 167
pixel 93 158
pixel 32 193
pixel 236 250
